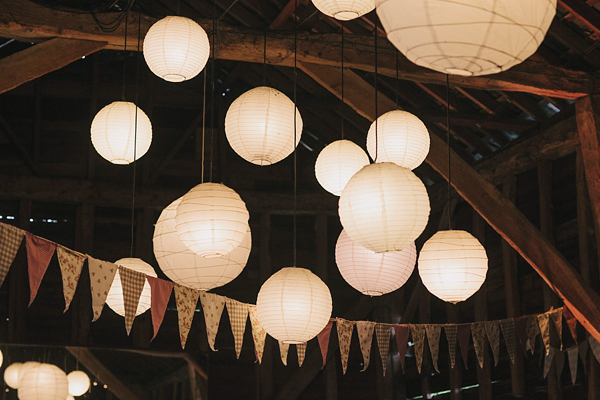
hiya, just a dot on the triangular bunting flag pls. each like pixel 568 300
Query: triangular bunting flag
pixel 402 341
pixel 556 316
pixel 478 332
pixel 521 328
pixel 417 332
pixel 323 339
pixel 595 346
pixel 10 241
pixel 572 356
pixel 301 351
pixel 132 284
pixel 383 333
pixel 433 337
pixel 571 321
pixel 160 291
pixel 559 359
pixel 39 254
pixel 344 330
pixel 258 333
pixel 463 334
pixel 212 306
pixel 508 330
pixel 186 299
pixel 238 313
pixel 548 361
pixel 492 328
pixel 583 349
pixel 532 332
pixel 102 274
pixel 71 265
pixel 365 338
pixel 283 351
pixel 544 325
pixel 451 333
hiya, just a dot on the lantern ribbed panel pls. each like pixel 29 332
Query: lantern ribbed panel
pixel 384 207
pixel 259 126
pixel 294 305
pixel 453 265
pixel 69 397
pixel 79 383
pixel 344 10
pixel 337 163
pixel 115 295
pixel 24 368
pixel 44 382
pixel 11 375
pixel 176 48
pixel 211 220
pixel 373 274
pixel 402 138
pixel 186 267
pixel 114 132
pixel 466 37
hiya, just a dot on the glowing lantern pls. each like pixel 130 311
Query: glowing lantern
pixel 79 383
pixel 115 295
pixel 337 163
pixel 24 368
pixel 11 375
pixel 43 382
pixel 344 10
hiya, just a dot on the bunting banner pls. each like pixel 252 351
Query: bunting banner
pixel 451 335
pixel 186 299
pixel 401 332
pixel 39 254
pixel 492 328
pixel 532 332
pixel 463 334
pixel 595 346
pixel 212 306
pixel 573 355
pixel 10 241
pixel 383 334
pixel 478 332
pixel 344 331
pixel 323 339
pixel 417 332
pixel 521 328
pixel 543 321
pixel 259 335
pixel 284 348
pixel 102 274
pixel 301 351
pixel 433 338
pixel 238 314
pixel 571 321
pixel 160 294
pixel 508 331
pixel 559 359
pixel 548 362
pixel 132 284
pixel 365 330
pixel 557 317
pixel 70 264
pixel 583 349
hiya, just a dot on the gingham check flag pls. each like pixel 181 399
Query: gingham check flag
pixel 10 241
pixel 238 313
pixel 132 284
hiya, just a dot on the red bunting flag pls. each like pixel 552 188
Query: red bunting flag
pixel 323 339
pixel 401 332
pixel 39 254
pixel 161 292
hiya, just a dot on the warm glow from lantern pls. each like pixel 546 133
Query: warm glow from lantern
pixel 114 132
pixel 401 138
pixel 467 37
pixel 24 368
pixel 11 375
pixel 337 163
pixel 259 126
pixel 79 383
pixel 115 295
pixel 384 207
pixel 176 48
pixel 43 382
pixel 344 10
pixel 453 265
pixel 294 305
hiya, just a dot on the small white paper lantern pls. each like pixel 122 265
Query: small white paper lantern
pixel 293 305
pixel 79 383
pixel 259 126
pixel 401 138
pixel 373 274
pixel 337 163
pixel 211 220
pixel 187 268
pixel 466 37
pixel 344 10
pixel 44 382
pixel 114 132
pixel 11 375
pixel 115 295
pixel 176 48
pixel 384 207
pixel 453 265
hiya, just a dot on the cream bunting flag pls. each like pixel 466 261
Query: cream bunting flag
pixel 10 241
pixel 544 325
pixel 557 316
pixel 259 334
pixel 284 348
pixel 508 330
pixel 418 336
pixel 451 335
pixel 301 351
pixel 595 346
pixel 463 334
pixel 238 313
pixel 383 333
pixel 132 284
pixel 102 274
pixel 344 330
pixel 186 299
pixel 492 328
pixel 478 332
pixel 70 264
pixel 433 338
pixel 548 361
pixel 572 355
pixel 365 331
pixel 212 307
pixel 532 332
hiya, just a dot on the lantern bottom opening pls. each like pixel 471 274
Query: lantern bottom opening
pixel 263 162
pixel 174 78
pixel 291 342
pixel 346 15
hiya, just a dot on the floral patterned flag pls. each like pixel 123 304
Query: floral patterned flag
pixel 557 316
pixel 508 330
pixel 478 332
pixel 258 333
pixel 212 306
pixel 71 265
pixel 132 285
pixel 186 299
pixel 10 241
pixel 284 348
pixel 402 332
pixel 451 334
pixel 39 254
pixel 492 328
pixel 344 330
pixel 571 322
pixel 532 331
pixel 543 321
pixel 548 361
pixel 383 333
pixel 365 337
pixel 572 356
pixel 463 333
pixel 433 337
pixel 301 351
pixel 160 291
pixel 323 339
pixel 102 274
pixel 238 314
pixel 417 332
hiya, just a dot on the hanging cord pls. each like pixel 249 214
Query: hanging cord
pixel 214 64
pixel 203 124
pixel 265 44
pixel 376 99
pixel 113 25
pixel 397 104
pixel 125 56
pixel 135 132
pixel 448 144
pixel 342 104
pixel 295 132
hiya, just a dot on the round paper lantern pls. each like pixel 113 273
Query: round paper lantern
pixel 337 163
pixel 115 295
pixel 69 397
pixel 384 207
pixel 211 220
pixel 259 126
pixel 293 305
pixel 466 37
pixel 114 132
pixel 1 358
pixel 401 138
pixel 344 10
pixel 373 274
pixel 24 368
pixel 187 268
pixel 44 382
pixel 11 375
pixel 453 265
pixel 79 383
pixel 176 48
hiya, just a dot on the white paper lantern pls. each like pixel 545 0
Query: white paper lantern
pixel 259 126
pixel 79 383
pixel 384 207
pixel 44 382
pixel 344 10
pixel 211 220
pixel 294 305
pixel 466 37
pixel 401 138
pixel 115 295
pixel 453 265
pixel 11 375
pixel 24 368
pixel 187 268
pixel 69 397
pixel 176 48
pixel 373 274
pixel 114 132
pixel 337 163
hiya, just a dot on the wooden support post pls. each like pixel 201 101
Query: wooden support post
pixel 92 155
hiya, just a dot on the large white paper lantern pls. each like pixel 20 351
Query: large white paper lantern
pixel 337 163
pixel 466 37
pixel 79 383
pixel 453 265
pixel 11 375
pixel 176 48
pixel 115 295
pixel 115 133
pixel 373 274
pixel 401 138
pixel 44 382
pixel 293 305
pixel 23 369
pixel 344 10
pixel 70 397
pixel 211 220
pixel 187 268
pixel 259 126
pixel 384 207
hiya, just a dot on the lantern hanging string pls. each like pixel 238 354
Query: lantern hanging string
pixel 342 103
pixel 214 64
pixel 397 61
pixel 376 99
pixel 125 56
pixel 295 237
pixel 448 144
pixel 111 26
pixel 135 132
pixel 265 44
pixel 203 125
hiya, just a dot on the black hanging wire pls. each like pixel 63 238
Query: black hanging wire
pixel 295 132
pixel 214 64
pixel 448 144
pixel 135 132
pixel 265 44
pixel 397 62
pixel 203 124
pixel 125 56
pixel 113 25
pixel 342 103
pixel 376 99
